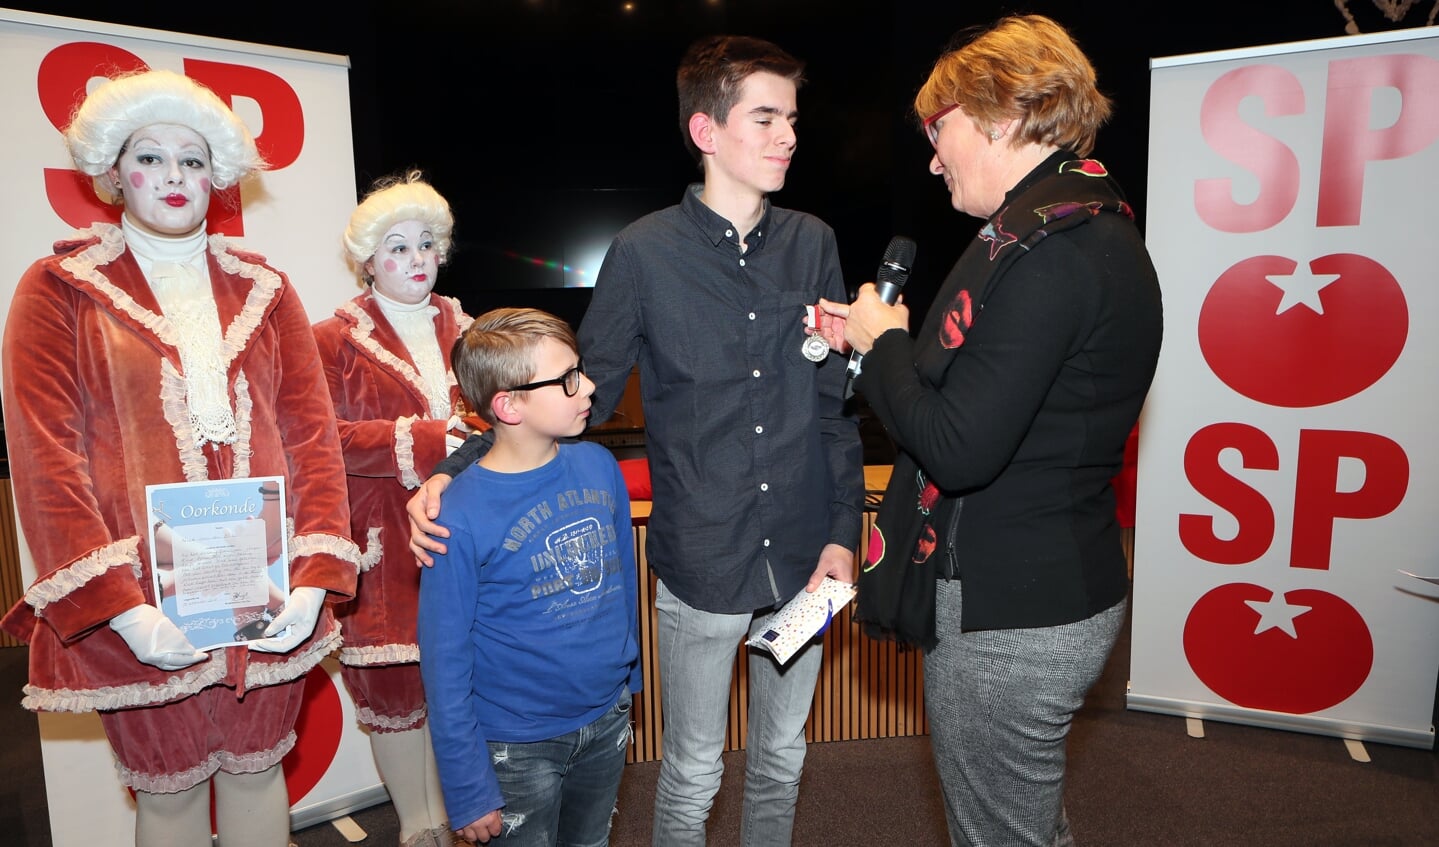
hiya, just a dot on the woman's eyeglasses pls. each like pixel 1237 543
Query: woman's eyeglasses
pixel 930 129
pixel 569 381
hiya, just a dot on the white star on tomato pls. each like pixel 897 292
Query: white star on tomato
pixel 1276 613
pixel 1301 288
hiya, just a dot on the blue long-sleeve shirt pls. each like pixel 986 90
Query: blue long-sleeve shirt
pixel 528 624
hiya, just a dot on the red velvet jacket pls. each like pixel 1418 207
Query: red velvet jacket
pixel 95 410
pixel 390 444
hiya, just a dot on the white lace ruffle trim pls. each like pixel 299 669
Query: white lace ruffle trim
pixel 220 760
pixel 380 654
pixel 175 389
pixel 405 451
pixel 60 583
pixel 185 682
pixel 364 336
pixel 319 543
pixel 386 723
pixel 374 550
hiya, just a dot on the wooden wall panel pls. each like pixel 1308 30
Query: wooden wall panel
pixel 646 710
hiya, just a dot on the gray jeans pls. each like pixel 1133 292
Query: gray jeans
pixel 697 656
pixel 1000 703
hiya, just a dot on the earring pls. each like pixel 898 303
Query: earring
pixel 994 135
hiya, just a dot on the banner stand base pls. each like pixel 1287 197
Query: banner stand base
pixel 1397 736
pixel 308 816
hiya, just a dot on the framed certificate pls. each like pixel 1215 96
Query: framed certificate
pixel 220 557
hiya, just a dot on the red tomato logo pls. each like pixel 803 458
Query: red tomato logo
pixel 317 730
pixel 1299 652
pixel 1301 338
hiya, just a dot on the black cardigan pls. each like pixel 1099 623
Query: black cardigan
pixel 1017 395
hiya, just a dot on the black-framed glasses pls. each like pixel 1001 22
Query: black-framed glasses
pixel 930 130
pixel 569 381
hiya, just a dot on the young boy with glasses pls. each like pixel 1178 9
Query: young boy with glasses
pixel 528 624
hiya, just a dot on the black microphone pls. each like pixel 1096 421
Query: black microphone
pixel 893 271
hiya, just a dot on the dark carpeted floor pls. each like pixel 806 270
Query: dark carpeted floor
pixel 1135 778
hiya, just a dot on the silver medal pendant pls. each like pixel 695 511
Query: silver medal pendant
pixel 815 348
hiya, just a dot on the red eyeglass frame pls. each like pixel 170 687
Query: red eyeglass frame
pixel 929 131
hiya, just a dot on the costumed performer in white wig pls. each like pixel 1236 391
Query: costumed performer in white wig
pixel 147 353
pixel 386 357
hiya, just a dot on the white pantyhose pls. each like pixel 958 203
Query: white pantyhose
pixel 252 809
pixel 406 762
pixel 173 820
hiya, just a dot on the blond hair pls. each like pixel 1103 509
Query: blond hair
pixel 1026 68
pixel 497 353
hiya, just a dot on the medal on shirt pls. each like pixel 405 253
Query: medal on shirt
pixel 815 348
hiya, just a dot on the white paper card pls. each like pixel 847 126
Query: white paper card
pixel 802 618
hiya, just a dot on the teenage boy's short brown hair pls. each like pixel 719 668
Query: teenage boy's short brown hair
pixel 713 71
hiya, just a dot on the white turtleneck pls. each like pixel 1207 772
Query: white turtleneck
pixel 415 324
pixel 179 276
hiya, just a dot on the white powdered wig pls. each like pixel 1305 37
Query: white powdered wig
pixel 395 200
pixel 110 114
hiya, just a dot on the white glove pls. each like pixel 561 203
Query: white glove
pixel 452 440
pixel 154 638
pixel 300 613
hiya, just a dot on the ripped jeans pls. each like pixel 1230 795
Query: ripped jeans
pixel 561 792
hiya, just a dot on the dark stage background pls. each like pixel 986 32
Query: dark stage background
pixel 549 124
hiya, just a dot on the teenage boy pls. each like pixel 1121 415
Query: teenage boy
pixel 528 624
pixel 756 466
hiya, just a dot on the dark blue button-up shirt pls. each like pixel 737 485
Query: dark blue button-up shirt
pixel 754 462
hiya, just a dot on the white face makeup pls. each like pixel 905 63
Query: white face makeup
pixel 164 176
pixel 406 262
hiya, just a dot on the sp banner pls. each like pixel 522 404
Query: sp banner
pixel 1288 471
